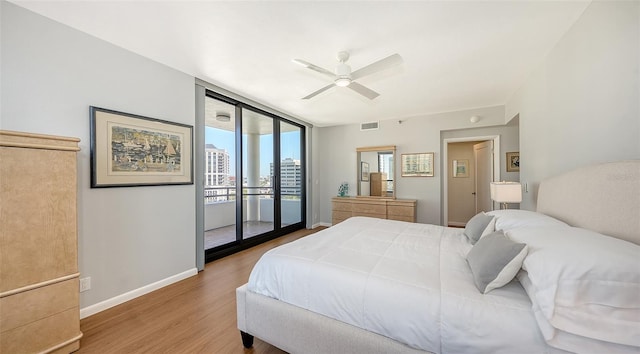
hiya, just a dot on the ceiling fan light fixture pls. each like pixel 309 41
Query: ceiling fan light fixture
pixel 223 117
pixel 342 81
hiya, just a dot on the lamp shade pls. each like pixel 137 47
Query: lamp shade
pixel 506 192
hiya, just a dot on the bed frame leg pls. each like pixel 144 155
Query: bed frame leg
pixel 247 339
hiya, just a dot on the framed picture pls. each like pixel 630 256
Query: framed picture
pixel 513 161
pixel 417 165
pixel 364 171
pixel 129 150
pixel 460 168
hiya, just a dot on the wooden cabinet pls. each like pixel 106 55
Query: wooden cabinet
pixel 394 209
pixel 39 294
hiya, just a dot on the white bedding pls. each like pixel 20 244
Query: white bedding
pixel 406 281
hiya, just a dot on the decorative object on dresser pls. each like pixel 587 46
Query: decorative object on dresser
pixel 129 150
pixel 393 209
pixel 417 165
pixel 39 290
pixel 343 190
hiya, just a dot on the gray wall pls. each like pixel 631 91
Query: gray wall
pixel 51 74
pixel 581 106
pixel 337 155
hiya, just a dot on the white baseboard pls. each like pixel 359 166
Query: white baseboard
pixel 117 300
pixel 325 224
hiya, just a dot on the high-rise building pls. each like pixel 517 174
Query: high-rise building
pixel 217 166
pixel 290 176
pixel 216 174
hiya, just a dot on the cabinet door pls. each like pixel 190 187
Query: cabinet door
pixel 38 216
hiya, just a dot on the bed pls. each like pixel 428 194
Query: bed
pixel 380 286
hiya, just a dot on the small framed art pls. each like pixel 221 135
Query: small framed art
pixel 364 171
pixel 460 168
pixel 513 161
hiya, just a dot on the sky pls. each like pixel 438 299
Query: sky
pixel 222 139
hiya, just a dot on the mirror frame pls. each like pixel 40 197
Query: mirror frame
pixel 386 148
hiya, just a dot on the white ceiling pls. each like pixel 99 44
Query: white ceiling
pixel 457 54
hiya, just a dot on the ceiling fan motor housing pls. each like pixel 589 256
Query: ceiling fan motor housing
pixel 343 72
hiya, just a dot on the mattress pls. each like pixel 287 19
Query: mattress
pixel 409 282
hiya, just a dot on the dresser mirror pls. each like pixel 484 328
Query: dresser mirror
pixel 376 171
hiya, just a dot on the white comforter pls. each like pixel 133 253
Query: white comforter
pixel 406 281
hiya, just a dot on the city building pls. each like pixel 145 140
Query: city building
pixel 290 176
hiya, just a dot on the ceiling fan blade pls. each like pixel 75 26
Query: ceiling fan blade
pixel 319 91
pixel 366 92
pixel 315 68
pixel 380 65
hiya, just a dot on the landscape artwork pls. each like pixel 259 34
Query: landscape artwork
pixel 129 150
pixel 137 150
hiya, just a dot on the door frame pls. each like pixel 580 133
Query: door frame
pixel 446 167
pixel 241 243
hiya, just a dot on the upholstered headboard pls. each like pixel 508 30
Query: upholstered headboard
pixel 604 198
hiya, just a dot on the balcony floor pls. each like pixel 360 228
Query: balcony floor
pixel 227 234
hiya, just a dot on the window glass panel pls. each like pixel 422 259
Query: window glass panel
pixel 219 179
pixel 290 174
pixel 257 184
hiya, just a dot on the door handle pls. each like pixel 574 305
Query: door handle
pixel 474 193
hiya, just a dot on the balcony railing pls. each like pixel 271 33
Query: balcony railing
pixel 220 194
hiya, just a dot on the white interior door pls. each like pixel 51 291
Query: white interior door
pixel 483 153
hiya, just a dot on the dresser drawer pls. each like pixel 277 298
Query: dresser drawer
pixel 59 330
pixel 341 206
pixel 341 215
pixel 371 215
pixel 32 305
pixel 402 218
pixel 369 208
pixel 400 210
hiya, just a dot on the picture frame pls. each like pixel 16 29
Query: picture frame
pixel 129 150
pixel 417 164
pixel 513 161
pixel 460 168
pixel 364 171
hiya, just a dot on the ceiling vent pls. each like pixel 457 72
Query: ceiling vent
pixel 369 126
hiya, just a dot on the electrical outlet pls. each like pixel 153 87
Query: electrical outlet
pixel 85 284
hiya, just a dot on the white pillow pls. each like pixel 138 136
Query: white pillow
pixel 515 218
pixel 567 341
pixel 584 283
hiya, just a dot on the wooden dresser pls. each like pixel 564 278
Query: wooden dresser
pixel 39 294
pixel 394 209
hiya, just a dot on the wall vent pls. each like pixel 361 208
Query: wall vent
pixel 369 126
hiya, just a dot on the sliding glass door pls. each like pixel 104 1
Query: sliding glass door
pixel 258 157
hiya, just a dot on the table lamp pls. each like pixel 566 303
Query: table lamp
pixel 506 192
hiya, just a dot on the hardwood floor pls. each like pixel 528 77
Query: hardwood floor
pixel 195 315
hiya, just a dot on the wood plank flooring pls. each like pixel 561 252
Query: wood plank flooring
pixel 195 315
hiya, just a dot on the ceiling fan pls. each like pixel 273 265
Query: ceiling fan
pixel 343 76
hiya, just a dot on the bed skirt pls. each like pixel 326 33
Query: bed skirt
pixel 296 330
